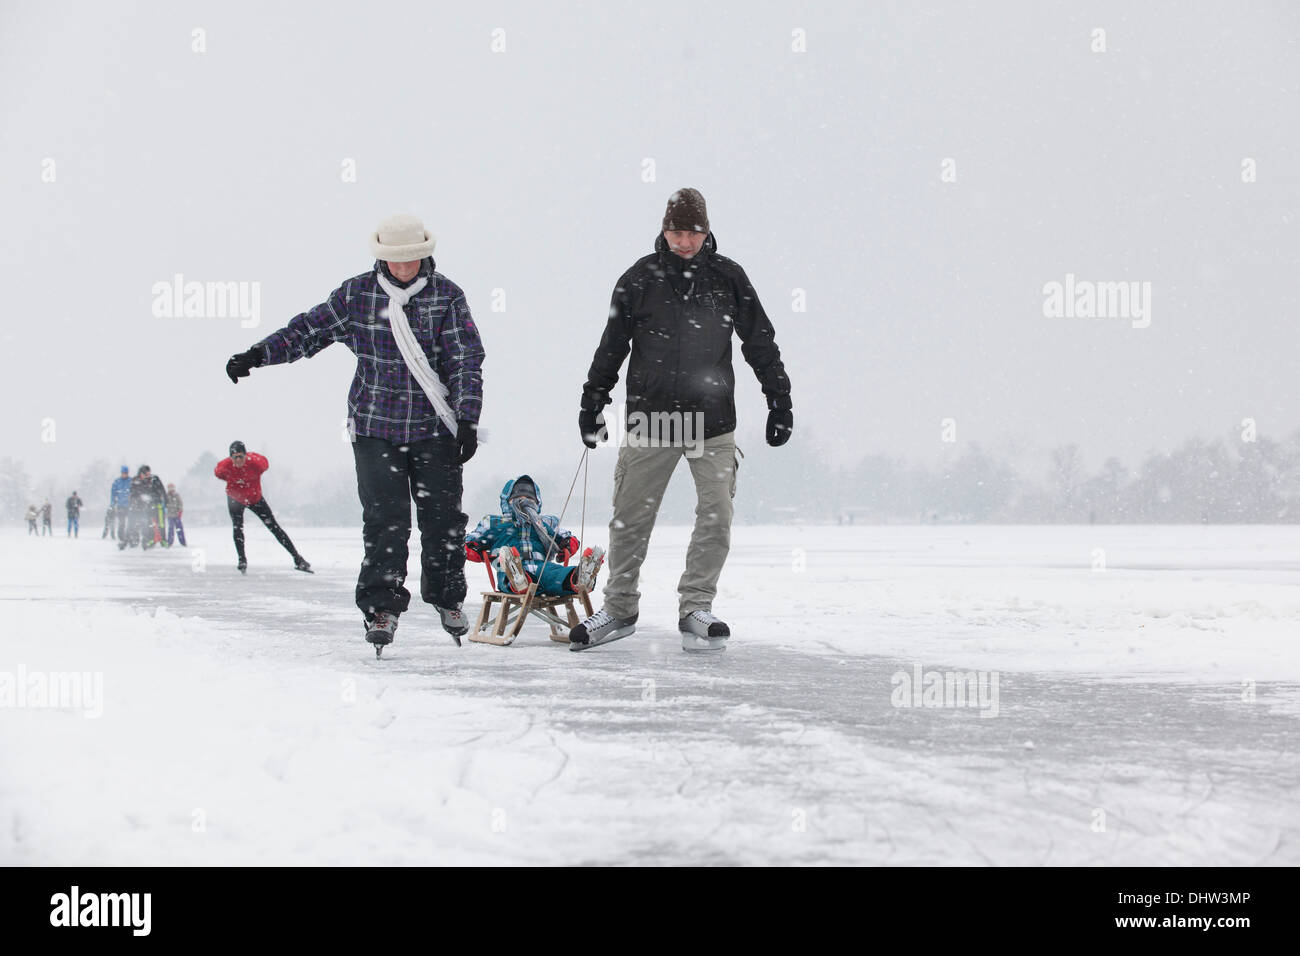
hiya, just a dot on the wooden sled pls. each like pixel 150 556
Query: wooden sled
pixel 513 609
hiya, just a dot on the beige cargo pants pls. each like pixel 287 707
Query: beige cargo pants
pixel 640 478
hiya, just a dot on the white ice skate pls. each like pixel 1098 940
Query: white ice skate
pixel 702 631
pixel 589 567
pixel 601 628
pixel 510 564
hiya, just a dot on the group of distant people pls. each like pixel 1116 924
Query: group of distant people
pixel 142 512
pixel 45 515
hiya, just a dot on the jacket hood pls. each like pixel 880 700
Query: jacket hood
pixel 509 486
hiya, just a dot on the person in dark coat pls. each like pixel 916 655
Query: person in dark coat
pixel 676 310
pixel 147 494
pixel 73 506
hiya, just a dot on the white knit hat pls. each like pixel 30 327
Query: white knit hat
pixel 402 238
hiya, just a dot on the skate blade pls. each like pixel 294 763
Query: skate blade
pixel 693 642
pixel 616 635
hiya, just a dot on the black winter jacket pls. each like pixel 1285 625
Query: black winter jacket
pixel 147 493
pixel 676 316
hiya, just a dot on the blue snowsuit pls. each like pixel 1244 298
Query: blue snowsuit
pixel 120 496
pixel 119 504
pixel 513 530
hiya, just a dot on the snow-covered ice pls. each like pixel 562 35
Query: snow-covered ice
pixel 1147 681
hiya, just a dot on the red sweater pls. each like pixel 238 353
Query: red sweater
pixel 243 484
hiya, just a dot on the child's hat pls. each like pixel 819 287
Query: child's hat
pixel 523 488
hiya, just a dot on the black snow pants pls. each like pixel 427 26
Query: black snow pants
pixel 263 511
pixel 389 476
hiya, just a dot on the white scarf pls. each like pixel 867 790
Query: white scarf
pixel 410 348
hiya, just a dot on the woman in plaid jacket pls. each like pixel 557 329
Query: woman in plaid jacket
pixel 402 446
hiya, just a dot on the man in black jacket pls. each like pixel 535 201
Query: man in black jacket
pixel 147 493
pixel 675 310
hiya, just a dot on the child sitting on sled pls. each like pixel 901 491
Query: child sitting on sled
pixel 517 541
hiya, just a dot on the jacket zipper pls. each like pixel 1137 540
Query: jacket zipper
pixel 677 343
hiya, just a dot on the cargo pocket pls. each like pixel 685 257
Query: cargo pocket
pixel 735 469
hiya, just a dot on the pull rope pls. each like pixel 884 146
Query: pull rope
pixel 567 498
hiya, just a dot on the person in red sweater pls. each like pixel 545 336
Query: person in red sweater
pixel 242 473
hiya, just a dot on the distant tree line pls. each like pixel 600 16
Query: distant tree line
pixel 1220 481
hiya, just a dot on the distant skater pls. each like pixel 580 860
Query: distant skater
pixel 73 505
pixel 175 508
pixel 146 497
pixel 119 506
pixel 242 473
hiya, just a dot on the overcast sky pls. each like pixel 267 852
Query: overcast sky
pixel 822 170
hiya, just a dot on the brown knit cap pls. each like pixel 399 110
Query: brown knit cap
pixel 686 212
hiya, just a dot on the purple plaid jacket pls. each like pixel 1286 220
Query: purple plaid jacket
pixel 385 400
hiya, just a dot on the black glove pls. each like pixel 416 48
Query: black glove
pixel 780 422
pixel 239 365
pixel 592 426
pixel 467 439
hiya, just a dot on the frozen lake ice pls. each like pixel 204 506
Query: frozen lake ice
pixel 1147 684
